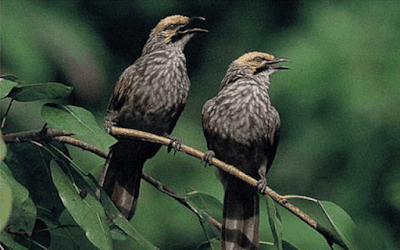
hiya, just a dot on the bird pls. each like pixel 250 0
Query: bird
pixel 150 95
pixel 241 128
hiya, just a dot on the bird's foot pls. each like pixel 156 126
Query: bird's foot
pixel 262 184
pixel 175 144
pixel 108 124
pixel 207 158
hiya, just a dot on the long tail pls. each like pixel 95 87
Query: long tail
pixel 122 183
pixel 123 170
pixel 240 229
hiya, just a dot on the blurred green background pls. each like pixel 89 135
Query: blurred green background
pixel 339 103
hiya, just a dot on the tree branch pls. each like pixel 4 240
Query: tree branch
pixel 281 200
pixel 141 135
pixel 80 144
pixel 64 137
pixel 34 135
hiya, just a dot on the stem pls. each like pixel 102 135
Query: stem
pixel 5 115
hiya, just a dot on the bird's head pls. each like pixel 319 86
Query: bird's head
pixel 174 27
pixel 173 30
pixel 253 65
pixel 257 62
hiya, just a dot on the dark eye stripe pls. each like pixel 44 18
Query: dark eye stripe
pixel 171 26
pixel 258 59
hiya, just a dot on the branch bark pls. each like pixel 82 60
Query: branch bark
pixel 34 135
pixel 63 137
pixel 281 200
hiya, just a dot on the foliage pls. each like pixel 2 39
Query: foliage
pixel 338 106
pixel 76 188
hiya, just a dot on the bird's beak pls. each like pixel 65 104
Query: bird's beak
pixel 191 26
pixel 197 18
pixel 274 63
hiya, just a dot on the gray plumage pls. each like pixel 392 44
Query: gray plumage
pixel 150 95
pixel 242 128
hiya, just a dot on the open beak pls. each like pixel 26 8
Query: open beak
pixel 190 28
pixel 274 63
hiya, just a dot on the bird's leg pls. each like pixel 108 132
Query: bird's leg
pixel 207 157
pixel 175 143
pixel 109 121
pixel 262 182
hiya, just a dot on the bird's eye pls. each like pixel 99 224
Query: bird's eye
pixel 257 59
pixel 172 26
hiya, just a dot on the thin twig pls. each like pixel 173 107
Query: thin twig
pixel 35 135
pixel 24 233
pixel 3 122
pixel 54 134
pixel 213 221
pixel 182 199
pixel 80 144
pixel 169 191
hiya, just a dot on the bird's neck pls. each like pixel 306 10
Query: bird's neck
pixel 157 43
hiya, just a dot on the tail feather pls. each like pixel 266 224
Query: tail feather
pixel 240 228
pixel 122 184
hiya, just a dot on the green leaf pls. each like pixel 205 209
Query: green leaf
pixel 39 91
pixel 30 166
pixel 78 121
pixel 70 233
pixel 39 240
pixel 3 147
pixel 118 234
pixel 123 224
pixel 8 240
pixel 275 223
pixel 207 206
pixel 340 220
pixel 5 199
pixel 289 246
pixel 6 86
pixel 206 203
pixel 87 212
pixel 330 218
pixel 10 77
pixel 23 214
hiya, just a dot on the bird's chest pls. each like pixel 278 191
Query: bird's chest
pixel 158 97
pixel 242 114
pixel 241 126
